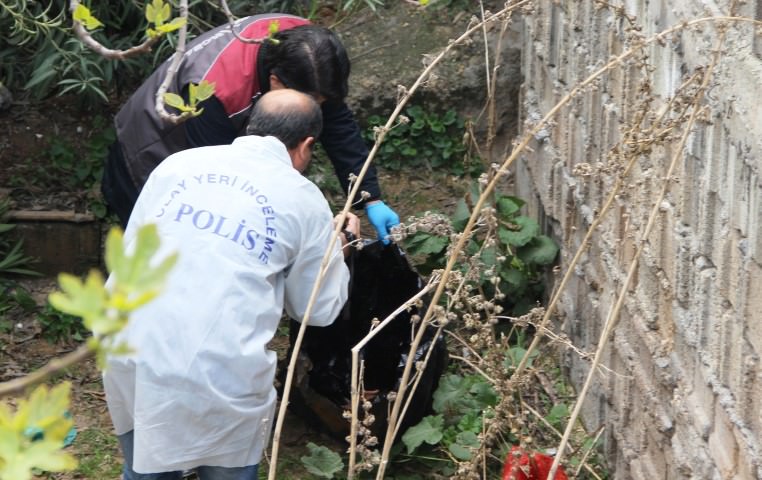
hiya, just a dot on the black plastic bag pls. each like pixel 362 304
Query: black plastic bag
pixel 381 281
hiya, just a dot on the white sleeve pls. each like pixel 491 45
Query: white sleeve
pixel 302 275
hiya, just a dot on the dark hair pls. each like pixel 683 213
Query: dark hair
pixel 290 122
pixel 310 59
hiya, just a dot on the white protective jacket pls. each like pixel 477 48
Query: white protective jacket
pixel 251 233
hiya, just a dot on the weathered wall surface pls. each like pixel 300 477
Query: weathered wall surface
pixel 686 401
pixel 391 48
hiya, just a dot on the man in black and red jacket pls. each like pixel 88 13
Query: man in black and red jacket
pixel 305 57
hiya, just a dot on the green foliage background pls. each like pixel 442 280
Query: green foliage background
pixel 40 56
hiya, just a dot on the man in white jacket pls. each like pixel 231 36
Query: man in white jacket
pixel 251 232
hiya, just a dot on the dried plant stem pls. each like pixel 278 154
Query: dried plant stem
pixel 55 365
pixel 356 369
pixel 492 82
pixel 231 24
pixel 177 59
pixel 417 380
pixel 465 345
pixel 490 86
pixel 583 460
pixel 295 351
pixel 475 367
pixel 550 427
pixel 613 316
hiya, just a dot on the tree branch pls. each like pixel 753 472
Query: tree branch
pixel 55 365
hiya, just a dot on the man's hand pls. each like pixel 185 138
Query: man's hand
pixel 382 218
pixel 351 229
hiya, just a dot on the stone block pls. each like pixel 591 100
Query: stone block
pixel 61 241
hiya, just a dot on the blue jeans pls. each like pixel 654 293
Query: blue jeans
pixel 126 441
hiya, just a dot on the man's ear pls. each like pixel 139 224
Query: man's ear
pixel 275 83
pixel 303 154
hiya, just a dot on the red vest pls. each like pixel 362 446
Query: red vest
pixel 216 56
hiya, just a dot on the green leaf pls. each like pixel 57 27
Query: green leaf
pixel 465 445
pixel 558 414
pixel 166 13
pixel 471 422
pixel 175 100
pixel 508 206
pixel 432 245
pixel 273 28
pixel 150 13
pixel 450 116
pixel 484 394
pixel 461 215
pixel 542 250
pixel 520 232
pixel 82 15
pixel 157 12
pixel 489 256
pixel 322 461
pixel 428 430
pixel 515 354
pixel 43 75
pixel 202 91
pixel 451 393
pixel 475 193
pixel 86 300
pixel 409 151
pixel 175 24
pixel 44 412
pixel 515 278
pixel 416 239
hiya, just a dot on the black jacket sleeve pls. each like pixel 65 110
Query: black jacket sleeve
pixel 212 127
pixel 345 147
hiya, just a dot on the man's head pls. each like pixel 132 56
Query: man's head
pixel 310 59
pixel 292 117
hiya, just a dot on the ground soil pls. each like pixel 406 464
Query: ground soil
pixel 28 131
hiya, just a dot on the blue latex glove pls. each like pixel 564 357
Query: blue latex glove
pixel 382 218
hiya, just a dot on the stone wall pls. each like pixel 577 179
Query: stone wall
pixel 685 400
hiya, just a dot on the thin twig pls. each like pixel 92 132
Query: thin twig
pixel 550 427
pixel 491 102
pixel 54 366
pixel 177 59
pixel 231 24
pixel 84 36
pixel 583 460
pixel 356 370
pixel 473 365
pixel 465 344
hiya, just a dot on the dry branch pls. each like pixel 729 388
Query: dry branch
pixel 100 49
pixel 54 366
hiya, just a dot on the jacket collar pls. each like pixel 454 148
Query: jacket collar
pixel 267 147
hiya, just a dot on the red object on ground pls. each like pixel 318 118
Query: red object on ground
pixel 519 465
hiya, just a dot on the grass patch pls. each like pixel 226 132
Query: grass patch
pixel 98 454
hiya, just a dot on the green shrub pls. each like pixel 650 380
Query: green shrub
pixel 57 326
pixel 512 260
pixel 426 139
